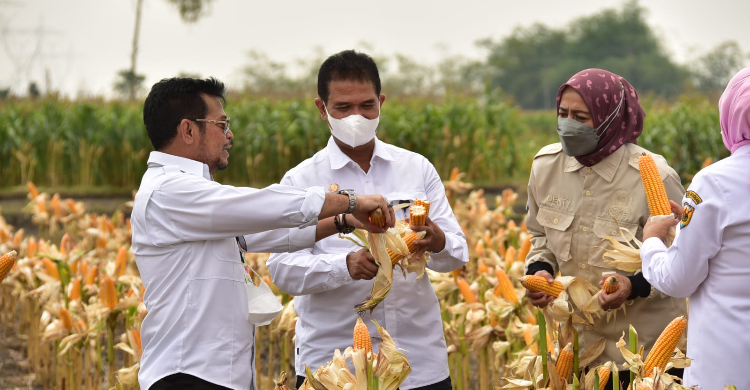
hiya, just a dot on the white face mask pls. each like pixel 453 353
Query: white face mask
pixel 353 130
pixel 262 304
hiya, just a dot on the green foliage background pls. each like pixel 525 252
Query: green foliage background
pixel 104 144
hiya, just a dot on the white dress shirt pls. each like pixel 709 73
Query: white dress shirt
pixel 184 228
pixel 325 294
pixel 709 262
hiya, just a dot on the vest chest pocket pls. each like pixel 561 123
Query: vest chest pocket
pixel 557 229
pixel 225 263
pixel 606 227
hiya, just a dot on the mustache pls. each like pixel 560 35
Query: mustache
pixel 231 143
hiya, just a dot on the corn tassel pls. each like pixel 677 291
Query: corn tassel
pixel 362 336
pixel 505 287
pixel 610 285
pixel 664 346
pixel 538 283
pixel 466 292
pixel 564 363
pixel 7 261
pixel 656 194
pixel 107 293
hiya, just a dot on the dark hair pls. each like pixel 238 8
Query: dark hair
pixel 172 100
pixel 347 65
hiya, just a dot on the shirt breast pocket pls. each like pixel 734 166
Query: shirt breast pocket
pixel 607 227
pixel 557 229
pixel 225 262
pixel 397 198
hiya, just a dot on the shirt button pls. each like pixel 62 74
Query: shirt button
pixel 588 170
pixel 582 266
pixel 585 229
pixel 556 221
pixel 635 160
pixel 588 327
pixel 588 192
pixel 614 232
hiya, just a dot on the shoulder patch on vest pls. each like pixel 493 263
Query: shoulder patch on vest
pixel 694 196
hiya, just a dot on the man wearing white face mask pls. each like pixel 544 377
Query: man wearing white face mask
pixel 329 280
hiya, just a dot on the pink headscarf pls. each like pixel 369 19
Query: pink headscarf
pixel 734 111
pixel 602 91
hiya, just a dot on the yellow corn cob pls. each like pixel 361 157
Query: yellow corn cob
pixel 72 206
pixel 395 257
pixel 604 372
pixel 510 257
pixel 17 239
pixel 362 336
pixel 75 289
pixel 33 192
pixel 377 218
pixel 31 247
pixel 417 215
pixel 662 350
pixel 121 261
pixel 505 286
pixel 564 363
pixel 538 283
pixel 466 292
pixel 423 203
pixel 54 206
pixel 64 242
pixel 525 248
pixel 50 268
pixel 482 268
pixel 658 203
pixel 6 263
pixel 4 235
pixel 511 225
pixel 101 242
pixel 529 340
pixel 610 285
pixel 107 292
pixel 66 319
pixel 41 207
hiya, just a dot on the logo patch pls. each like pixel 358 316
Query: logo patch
pixel 692 195
pixel 687 215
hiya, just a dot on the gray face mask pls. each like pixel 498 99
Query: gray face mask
pixel 577 139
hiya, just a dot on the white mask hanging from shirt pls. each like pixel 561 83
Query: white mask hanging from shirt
pixel 262 304
pixel 353 130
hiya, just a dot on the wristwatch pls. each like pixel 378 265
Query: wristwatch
pixel 342 226
pixel 352 199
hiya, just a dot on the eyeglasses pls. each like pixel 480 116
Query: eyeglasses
pixel 223 124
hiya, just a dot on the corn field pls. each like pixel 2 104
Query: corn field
pixel 75 293
pixel 104 144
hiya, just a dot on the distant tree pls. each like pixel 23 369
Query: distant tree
pixel 34 90
pixel 533 62
pixel 128 84
pixel 713 70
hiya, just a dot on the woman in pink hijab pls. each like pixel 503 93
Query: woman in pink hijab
pixel 709 261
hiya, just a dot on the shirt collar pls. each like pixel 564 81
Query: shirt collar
pixel 186 165
pixel 605 168
pixel 339 159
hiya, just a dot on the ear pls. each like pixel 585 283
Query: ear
pixel 187 131
pixel 321 108
pixel 382 99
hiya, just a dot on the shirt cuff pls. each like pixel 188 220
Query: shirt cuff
pixel 302 238
pixel 312 206
pixel 641 288
pixel 539 266
pixel 340 272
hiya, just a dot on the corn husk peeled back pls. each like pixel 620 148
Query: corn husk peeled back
pixel 393 248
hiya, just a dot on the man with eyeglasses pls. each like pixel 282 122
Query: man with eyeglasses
pixel 199 330
pixel 335 275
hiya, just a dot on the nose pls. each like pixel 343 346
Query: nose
pixel 230 135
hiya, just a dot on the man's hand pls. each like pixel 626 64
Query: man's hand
pixel 369 203
pixel 661 229
pixel 433 241
pixel 541 299
pixel 616 299
pixel 361 265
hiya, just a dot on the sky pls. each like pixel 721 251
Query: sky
pixel 78 46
